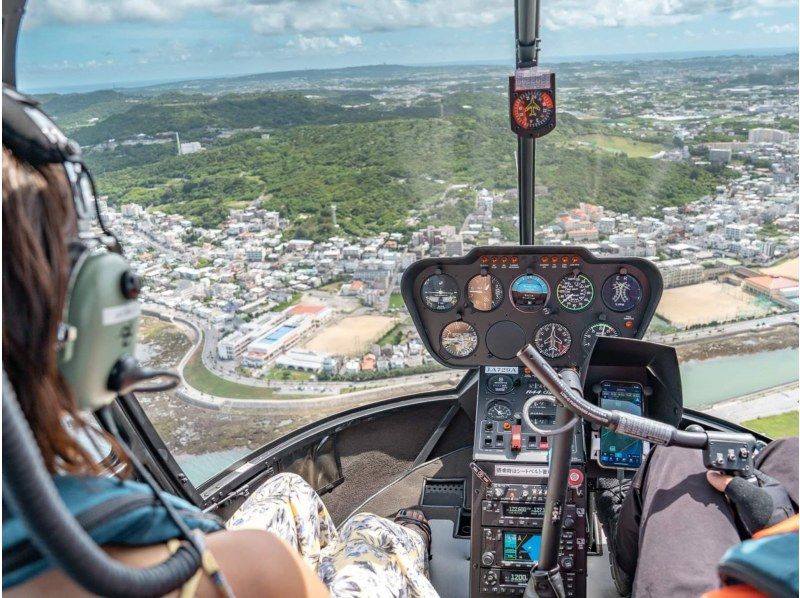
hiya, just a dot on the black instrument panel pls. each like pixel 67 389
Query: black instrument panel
pixel 482 308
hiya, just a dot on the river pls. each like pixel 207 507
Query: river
pixel 704 383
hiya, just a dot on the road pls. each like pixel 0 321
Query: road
pixel 723 330
pixel 773 401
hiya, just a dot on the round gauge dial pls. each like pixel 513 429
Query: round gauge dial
pixel 529 292
pixel 621 292
pixel 459 339
pixel 552 340
pixel 485 292
pixel 532 109
pixel 499 411
pixel 595 330
pixel 440 292
pixel 500 384
pixel 575 292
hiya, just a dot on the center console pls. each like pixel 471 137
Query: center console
pixel 510 472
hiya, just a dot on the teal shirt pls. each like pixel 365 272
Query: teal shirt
pixel 123 513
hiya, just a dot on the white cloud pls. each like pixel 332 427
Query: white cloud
pixel 776 29
pixel 319 43
pixel 315 17
pixel 586 14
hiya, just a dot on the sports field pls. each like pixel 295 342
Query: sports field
pixel 788 269
pixel 708 302
pixel 612 143
pixel 351 336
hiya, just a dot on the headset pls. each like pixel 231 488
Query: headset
pixel 98 333
pixel 96 342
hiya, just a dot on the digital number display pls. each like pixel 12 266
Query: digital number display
pixel 618 450
pixel 514 577
pixel 520 546
pixel 515 510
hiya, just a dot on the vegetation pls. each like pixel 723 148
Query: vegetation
pixel 630 147
pixel 285 374
pixel 378 172
pixel 380 375
pixel 295 298
pixel 199 377
pixel 775 426
pixel 393 337
pixel 396 301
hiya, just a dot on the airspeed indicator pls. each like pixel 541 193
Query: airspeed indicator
pixel 575 292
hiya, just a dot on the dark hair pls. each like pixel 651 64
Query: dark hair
pixel 38 220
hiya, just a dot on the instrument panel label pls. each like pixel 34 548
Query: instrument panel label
pixel 496 369
pixel 524 471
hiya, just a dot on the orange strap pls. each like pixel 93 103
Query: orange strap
pixel 784 527
pixel 737 591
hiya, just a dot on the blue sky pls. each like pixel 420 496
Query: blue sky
pixel 74 43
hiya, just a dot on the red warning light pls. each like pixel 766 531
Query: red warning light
pixel 494 259
pixel 504 259
pixel 564 259
pixel 575 259
pixel 629 324
pixel 544 259
pixel 514 259
pixel 484 259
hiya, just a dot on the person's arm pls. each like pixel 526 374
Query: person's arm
pixel 257 564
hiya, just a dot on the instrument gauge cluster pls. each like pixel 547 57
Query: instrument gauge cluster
pixel 481 309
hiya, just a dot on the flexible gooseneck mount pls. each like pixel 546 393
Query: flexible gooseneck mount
pixel 728 452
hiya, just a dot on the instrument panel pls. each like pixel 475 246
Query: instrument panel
pixel 482 308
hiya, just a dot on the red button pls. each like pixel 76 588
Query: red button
pixel 516 438
pixel 575 479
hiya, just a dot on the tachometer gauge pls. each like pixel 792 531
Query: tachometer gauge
pixel 529 292
pixel 485 292
pixel 440 292
pixel 575 292
pixel 499 411
pixel 621 292
pixel 552 340
pixel 459 339
pixel 595 330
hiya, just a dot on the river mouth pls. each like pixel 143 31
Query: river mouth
pixel 722 378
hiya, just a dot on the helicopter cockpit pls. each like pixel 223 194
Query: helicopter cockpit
pixel 558 387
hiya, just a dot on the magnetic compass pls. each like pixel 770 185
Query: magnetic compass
pixel 532 96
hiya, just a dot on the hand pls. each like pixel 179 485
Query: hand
pixel 718 480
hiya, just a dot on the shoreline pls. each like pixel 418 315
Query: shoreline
pixel 769 401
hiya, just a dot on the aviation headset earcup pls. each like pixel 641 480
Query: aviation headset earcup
pixel 103 310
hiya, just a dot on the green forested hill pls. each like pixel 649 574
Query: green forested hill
pixel 379 172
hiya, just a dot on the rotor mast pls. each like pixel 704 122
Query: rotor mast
pixel 526 13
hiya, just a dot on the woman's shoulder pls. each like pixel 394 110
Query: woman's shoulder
pixel 112 511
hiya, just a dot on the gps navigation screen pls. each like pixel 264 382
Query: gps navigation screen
pixel 519 546
pixel 618 450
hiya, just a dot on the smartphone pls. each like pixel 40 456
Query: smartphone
pixel 618 450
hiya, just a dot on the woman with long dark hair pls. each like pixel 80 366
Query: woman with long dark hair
pixel 281 542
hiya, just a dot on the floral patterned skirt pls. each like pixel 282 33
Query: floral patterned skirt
pixel 369 556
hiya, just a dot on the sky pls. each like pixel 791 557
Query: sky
pixel 73 44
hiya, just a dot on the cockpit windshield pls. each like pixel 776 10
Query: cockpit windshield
pixel 273 168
